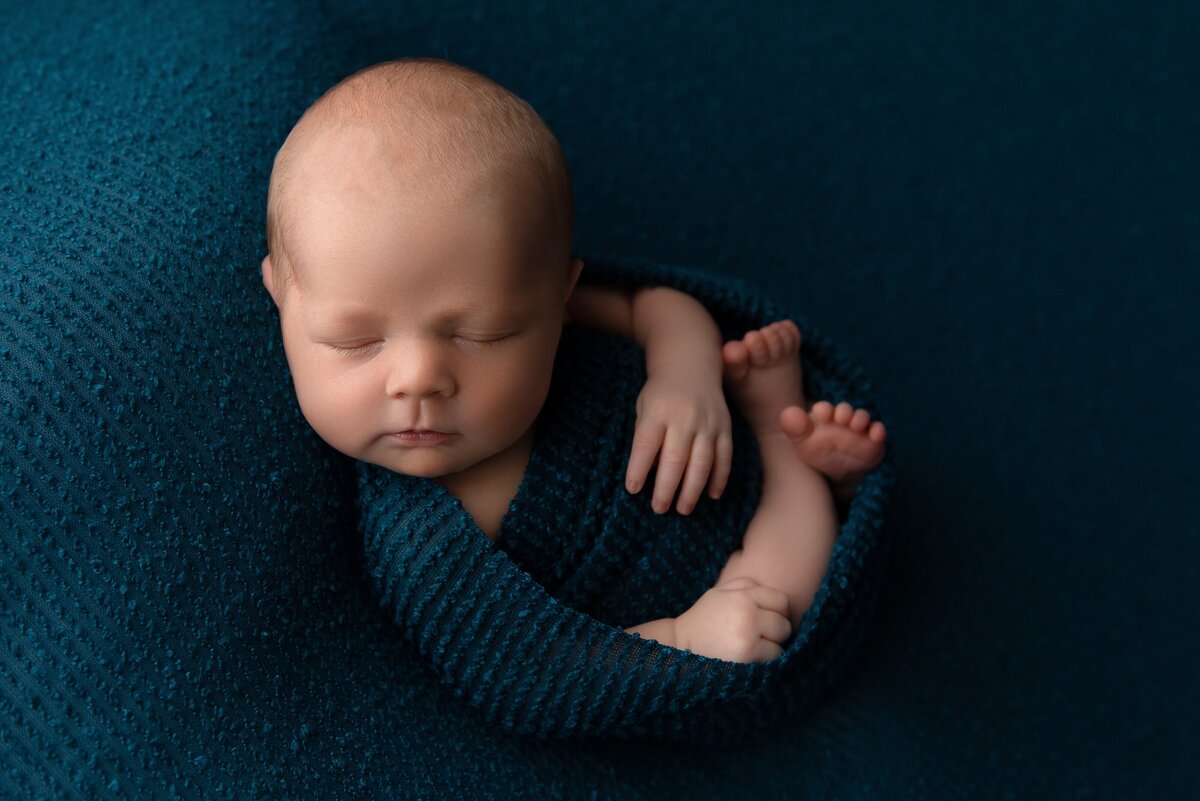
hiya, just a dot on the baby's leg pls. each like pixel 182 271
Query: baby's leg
pixel 790 538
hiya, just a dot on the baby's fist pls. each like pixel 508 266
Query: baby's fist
pixel 738 620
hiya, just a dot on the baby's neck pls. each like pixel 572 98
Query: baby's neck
pixel 487 488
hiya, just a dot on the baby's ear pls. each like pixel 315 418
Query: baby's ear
pixel 572 277
pixel 268 278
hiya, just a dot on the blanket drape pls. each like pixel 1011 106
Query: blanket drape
pixel 528 628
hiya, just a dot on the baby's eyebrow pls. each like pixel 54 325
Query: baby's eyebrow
pixel 353 315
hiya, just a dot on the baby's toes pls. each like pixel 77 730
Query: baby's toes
pixel 877 432
pixel 760 350
pixel 843 413
pixel 860 420
pixel 793 332
pixel 779 341
pixel 822 411
pixel 737 360
pixel 789 337
pixel 796 422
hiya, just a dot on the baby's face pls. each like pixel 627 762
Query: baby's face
pixel 426 315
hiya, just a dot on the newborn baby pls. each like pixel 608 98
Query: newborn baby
pixel 419 231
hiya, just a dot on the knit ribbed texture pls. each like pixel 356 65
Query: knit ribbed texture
pixel 528 629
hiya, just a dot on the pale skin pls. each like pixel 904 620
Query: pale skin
pixel 813 459
pixel 444 313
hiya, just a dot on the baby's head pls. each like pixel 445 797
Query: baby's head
pixel 419 233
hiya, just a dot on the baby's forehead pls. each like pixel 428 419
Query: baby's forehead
pixel 413 132
pixel 352 158
pixel 497 295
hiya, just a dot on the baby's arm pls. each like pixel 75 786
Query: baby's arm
pixel 681 410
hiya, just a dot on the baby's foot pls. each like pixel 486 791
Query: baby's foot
pixel 762 370
pixel 841 443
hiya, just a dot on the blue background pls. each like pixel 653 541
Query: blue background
pixel 993 210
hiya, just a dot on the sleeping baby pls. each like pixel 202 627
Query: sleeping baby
pixel 419 231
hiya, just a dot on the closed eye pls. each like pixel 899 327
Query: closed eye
pixel 357 349
pixel 352 349
pixel 491 341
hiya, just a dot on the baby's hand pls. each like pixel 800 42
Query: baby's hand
pixel 738 620
pixel 685 416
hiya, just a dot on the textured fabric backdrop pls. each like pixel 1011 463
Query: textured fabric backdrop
pixel 993 211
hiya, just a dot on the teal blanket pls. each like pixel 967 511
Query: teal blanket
pixel 997 201
pixel 528 629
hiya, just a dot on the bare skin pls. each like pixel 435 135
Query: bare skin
pixel 812 459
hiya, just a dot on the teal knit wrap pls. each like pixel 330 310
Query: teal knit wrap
pixel 528 629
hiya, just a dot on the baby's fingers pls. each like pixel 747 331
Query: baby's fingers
pixel 698 469
pixel 767 651
pixel 774 627
pixel 671 463
pixel 647 441
pixel 721 466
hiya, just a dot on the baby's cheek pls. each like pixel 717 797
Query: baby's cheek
pixel 526 383
pixel 336 411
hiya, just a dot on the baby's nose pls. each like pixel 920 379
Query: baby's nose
pixel 418 372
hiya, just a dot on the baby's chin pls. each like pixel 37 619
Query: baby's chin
pixel 426 465
pixel 417 462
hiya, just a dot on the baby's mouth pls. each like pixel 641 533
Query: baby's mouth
pixel 416 436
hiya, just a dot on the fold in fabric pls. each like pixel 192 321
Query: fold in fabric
pixel 528 629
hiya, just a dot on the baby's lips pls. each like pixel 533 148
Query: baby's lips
pixel 421 437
